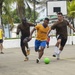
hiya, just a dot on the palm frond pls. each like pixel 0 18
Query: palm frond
pixel 71 9
pixel 21 8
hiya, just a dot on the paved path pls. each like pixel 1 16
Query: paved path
pixel 11 63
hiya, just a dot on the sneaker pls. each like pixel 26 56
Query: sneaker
pixel 47 46
pixel 28 52
pixel 2 53
pixel 26 59
pixel 37 60
pixel 54 55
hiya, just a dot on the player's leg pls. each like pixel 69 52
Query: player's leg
pixel 28 49
pixel 1 46
pixel 42 47
pixel 47 44
pixel 56 48
pixel 23 49
pixel 37 44
pixel 63 42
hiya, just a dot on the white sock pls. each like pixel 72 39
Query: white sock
pixel 56 49
pixel 59 51
pixel 58 54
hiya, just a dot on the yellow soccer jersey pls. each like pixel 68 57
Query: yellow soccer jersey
pixel 41 32
pixel 1 34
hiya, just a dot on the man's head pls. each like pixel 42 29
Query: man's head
pixel 60 16
pixel 24 21
pixel 46 21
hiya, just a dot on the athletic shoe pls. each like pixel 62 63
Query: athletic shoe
pixel 37 60
pixel 54 55
pixel 2 53
pixel 26 59
pixel 28 52
pixel 47 46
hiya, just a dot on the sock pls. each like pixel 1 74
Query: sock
pixel 56 49
pixel 58 54
pixel 59 51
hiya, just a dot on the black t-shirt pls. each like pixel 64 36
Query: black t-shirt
pixel 25 29
pixel 61 28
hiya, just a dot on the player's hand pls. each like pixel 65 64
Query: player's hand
pixel 17 33
pixel 74 30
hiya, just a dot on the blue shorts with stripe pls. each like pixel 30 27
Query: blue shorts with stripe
pixel 39 43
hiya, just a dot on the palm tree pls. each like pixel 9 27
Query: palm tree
pixel 71 9
pixel 5 8
pixel 1 2
pixel 22 5
pixel 71 13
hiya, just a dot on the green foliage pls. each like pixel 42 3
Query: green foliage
pixel 21 11
pixel 30 16
pixel 5 19
pixel 15 16
pixel 71 9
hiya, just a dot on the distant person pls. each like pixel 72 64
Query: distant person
pixel 41 37
pixel 1 40
pixel 61 34
pixel 48 40
pixel 24 28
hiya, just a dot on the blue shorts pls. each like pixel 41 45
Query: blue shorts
pixel 39 43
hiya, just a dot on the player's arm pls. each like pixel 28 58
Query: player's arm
pixel 54 26
pixel 69 25
pixel 30 24
pixel 18 30
pixel 49 31
pixel 32 33
pixel 35 28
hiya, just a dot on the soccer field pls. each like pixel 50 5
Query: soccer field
pixel 12 62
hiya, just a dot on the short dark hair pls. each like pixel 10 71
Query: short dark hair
pixel 59 13
pixel 47 19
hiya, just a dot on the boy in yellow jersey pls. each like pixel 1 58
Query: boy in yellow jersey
pixel 1 40
pixel 41 38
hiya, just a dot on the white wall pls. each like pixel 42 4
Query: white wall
pixel 16 42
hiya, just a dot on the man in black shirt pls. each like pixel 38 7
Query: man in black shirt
pixel 61 33
pixel 24 28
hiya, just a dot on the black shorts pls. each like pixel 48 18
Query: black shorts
pixel 63 40
pixel 1 41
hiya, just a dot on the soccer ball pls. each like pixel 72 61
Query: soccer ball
pixel 46 60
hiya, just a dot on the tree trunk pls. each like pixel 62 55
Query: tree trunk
pixel 0 14
pixel 21 8
pixel 1 2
